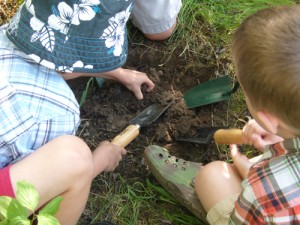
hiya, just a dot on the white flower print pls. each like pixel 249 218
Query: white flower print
pixel 65 69
pixel 43 62
pixel 30 7
pixel 122 17
pixel 43 33
pixel 114 34
pixel 80 64
pixel 86 9
pixel 14 24
pixel 62 18
pixel 36 24
pixel 64 15
pixel 77 64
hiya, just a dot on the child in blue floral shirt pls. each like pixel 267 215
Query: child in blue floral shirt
pixel 46 43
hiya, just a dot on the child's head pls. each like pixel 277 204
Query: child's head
pixel 266 52
pixel 72 36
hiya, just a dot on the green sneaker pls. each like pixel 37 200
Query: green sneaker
pixel 176 176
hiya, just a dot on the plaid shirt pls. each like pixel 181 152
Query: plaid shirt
pixel 271 191
pixel 36 104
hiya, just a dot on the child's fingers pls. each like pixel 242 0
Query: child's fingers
pixel 241 162
pixel 150 85
pixel 138 94
pixel 123 151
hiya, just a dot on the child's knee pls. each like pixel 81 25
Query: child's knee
pixel 161 36
pixel 76 154
pixel 212 170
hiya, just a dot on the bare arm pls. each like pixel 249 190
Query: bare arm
pixel 241 162
pixel 255 135
pixel 131 79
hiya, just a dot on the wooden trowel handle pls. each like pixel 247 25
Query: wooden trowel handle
pixel 126 136
pixel 229 136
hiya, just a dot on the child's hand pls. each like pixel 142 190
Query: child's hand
pixel 107 156
pixel 254 134
pixel 240 161
pixel 133 80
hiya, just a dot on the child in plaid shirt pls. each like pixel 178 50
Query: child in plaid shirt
pixel 46 43
pixel 266 52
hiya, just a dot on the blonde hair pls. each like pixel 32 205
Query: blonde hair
pixel 266 53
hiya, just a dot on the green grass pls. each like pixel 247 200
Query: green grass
pixel 203 27
pixel 225 18
pixel 134 203
pixel 215 20
pixel 126 202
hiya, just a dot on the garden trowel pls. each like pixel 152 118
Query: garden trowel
pixel 145 118
pixel 221 136
pixel 211 91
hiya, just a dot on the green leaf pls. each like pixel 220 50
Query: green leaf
pixel 15 209
pixel 20 220
pixel 84 94
pixel 52 207
pixel 164 193
pixel 4 222
pixel 47 220
pixel 27 195
pixel 4 203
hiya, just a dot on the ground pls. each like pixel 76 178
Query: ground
pixel 106 111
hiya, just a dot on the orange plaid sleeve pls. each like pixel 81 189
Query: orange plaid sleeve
pixel 271 192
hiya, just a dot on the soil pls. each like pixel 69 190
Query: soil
pixel 108 110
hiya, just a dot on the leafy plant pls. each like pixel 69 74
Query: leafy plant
pixel 15 211
pixel 87 87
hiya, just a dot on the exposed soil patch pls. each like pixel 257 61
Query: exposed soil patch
pixel 106 111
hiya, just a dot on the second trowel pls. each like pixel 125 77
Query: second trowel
pixel 209 92
pixel 220 135
pixel 146 117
